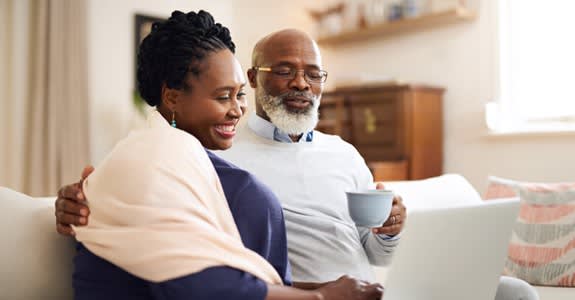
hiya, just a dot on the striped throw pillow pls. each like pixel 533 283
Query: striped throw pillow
pixel 542 248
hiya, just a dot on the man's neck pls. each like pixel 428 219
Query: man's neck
pixel 295 138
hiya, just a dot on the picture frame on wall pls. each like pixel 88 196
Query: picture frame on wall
pixel 142 27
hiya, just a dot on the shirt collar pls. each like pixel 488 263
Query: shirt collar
pixel 266 129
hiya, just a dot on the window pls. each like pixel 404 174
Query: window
pixel 537 65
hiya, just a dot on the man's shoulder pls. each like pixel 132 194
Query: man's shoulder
pixel 223 166
pixel 331 139
pixel 242 182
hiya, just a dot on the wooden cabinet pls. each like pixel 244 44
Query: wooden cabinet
pixel 397 128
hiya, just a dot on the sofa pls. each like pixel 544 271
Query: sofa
pixel 36 262
pixel 452 190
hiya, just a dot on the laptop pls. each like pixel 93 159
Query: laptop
pixel 452 253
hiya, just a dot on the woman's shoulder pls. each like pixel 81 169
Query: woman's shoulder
pixel 163 140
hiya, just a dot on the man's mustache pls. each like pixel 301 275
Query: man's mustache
pixel 293 94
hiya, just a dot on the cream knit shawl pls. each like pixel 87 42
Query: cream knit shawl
pixel 158 210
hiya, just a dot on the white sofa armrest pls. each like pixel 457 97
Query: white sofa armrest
pixel 35 261
pixel 442 191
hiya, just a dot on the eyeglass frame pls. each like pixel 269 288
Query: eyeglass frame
pixel 294 71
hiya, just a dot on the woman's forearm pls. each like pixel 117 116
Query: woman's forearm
pixel 278 292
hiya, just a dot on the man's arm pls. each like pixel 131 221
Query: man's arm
pixel 71 206
pixel 308 285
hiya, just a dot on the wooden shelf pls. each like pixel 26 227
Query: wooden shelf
pixel 456 15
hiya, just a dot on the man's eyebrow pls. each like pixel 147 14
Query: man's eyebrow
pixel 290 64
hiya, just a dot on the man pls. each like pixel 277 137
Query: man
pixel 309 171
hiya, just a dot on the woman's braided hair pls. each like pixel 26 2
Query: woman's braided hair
pixel 175 48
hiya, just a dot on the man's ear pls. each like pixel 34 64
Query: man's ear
pixel 169 97
pixel 252 74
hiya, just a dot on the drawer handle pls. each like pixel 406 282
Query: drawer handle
pixel 369 120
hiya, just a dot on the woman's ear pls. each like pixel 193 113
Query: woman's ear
pixel 169 97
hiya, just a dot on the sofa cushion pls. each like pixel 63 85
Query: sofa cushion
pixel 441 191
pixel 36 262
pixel 542 248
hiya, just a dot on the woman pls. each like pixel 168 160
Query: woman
pixel 181 224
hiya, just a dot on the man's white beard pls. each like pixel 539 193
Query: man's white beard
pixel 290 122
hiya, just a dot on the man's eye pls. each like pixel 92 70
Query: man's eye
pixel 315 75
pixel 223 97
pixel 283 72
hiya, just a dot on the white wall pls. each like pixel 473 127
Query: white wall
pixel 462 59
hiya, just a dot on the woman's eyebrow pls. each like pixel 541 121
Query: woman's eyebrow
pixel 229 87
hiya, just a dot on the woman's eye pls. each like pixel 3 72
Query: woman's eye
pixel 241 95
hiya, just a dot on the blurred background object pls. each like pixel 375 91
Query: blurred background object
pixel 330 21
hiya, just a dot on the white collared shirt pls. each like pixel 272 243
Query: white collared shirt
pixel 266 129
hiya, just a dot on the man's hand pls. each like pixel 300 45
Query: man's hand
pixel 394 223
pixel 348 288
pixel 71 206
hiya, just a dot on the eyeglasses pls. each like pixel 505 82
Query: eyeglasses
pixel 288 73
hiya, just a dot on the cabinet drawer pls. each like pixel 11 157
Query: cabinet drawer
pixel 375 119
pixel 389 170
pixel 381 108
pixel 380 152
pixel 380 134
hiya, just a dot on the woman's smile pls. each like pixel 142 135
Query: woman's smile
pixel 226 131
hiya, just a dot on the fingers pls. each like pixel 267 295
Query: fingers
pixel 374 291
pixel 390 230
pixel 398 210
pixel 72 192
pixel 394 224
pixel 65 229
pixel 68 206
pixel 87 171
pixel 67 219
pixel 68 211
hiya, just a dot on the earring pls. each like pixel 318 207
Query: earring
pixel 173 119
